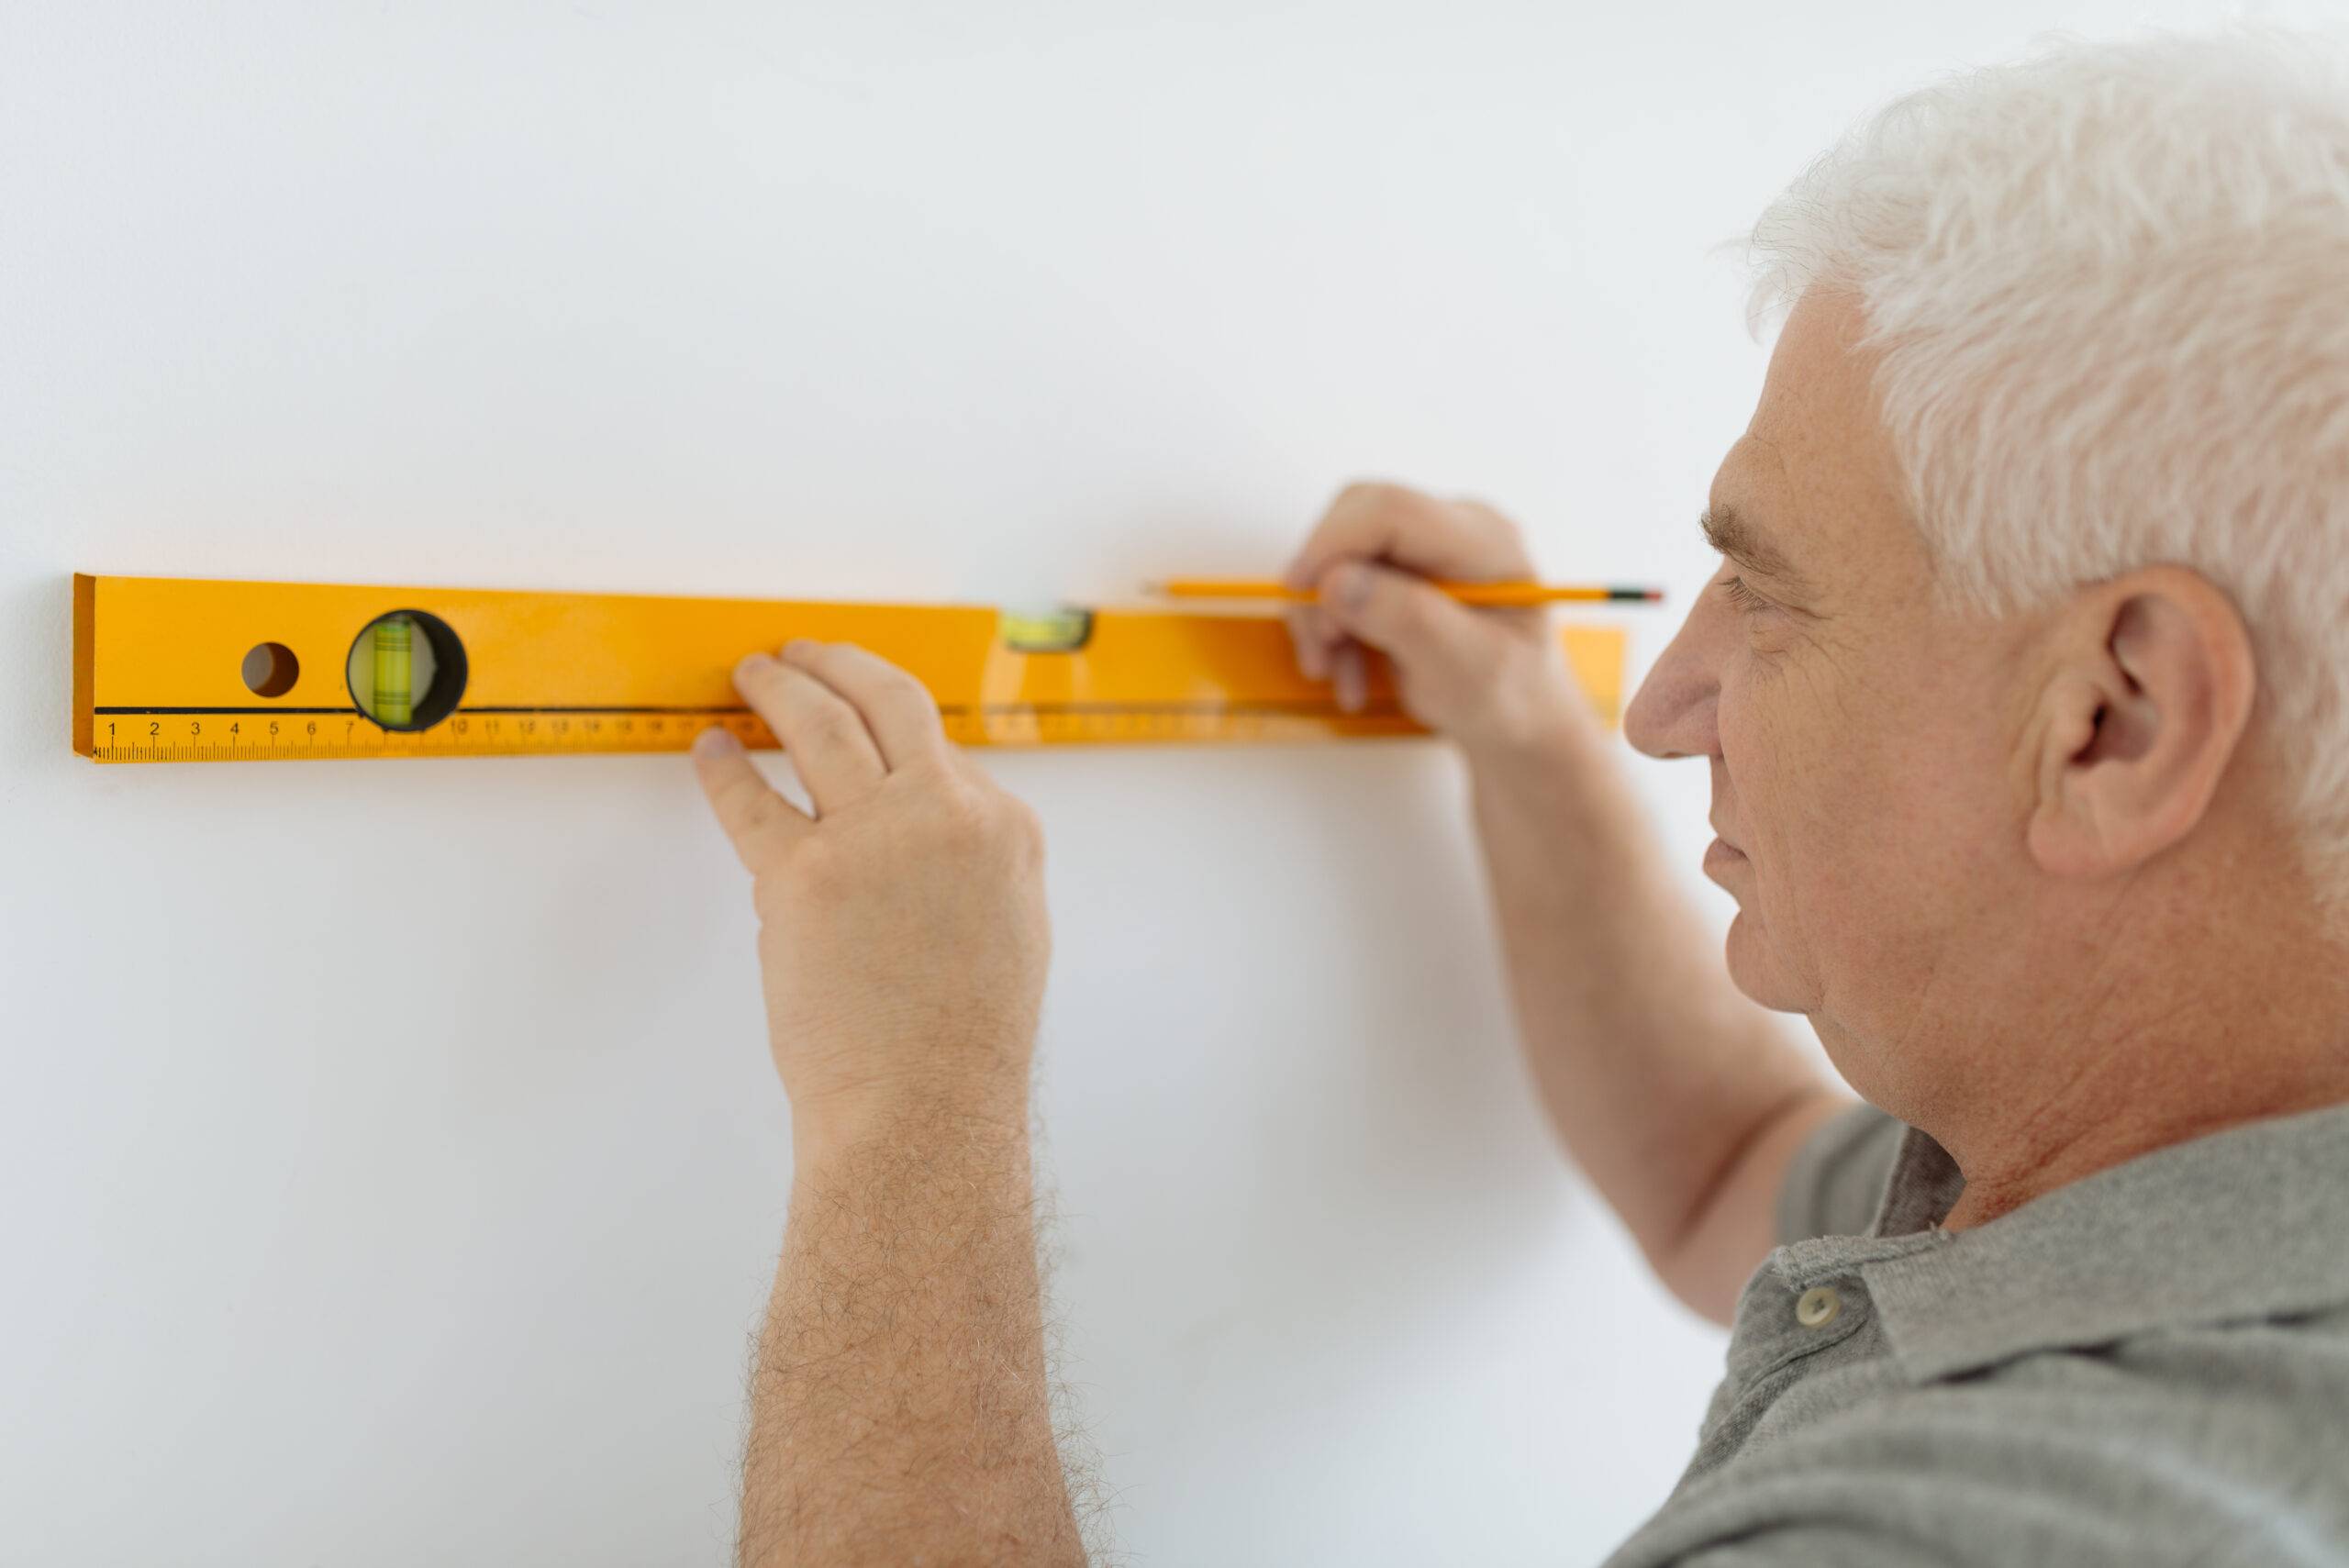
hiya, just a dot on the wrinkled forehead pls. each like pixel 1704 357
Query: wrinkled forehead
pixel 1815 467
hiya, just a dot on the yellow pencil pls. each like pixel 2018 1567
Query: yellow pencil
pixel 1490 593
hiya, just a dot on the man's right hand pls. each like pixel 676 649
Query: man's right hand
pixel 1677 1096
pixel 1490 680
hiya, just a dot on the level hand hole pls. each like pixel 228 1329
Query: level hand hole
pixel 270 669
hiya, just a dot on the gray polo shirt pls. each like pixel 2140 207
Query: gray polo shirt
pixel 2147 1367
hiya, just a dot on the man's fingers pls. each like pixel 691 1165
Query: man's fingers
pixel 753 815
pixel 1305 634
pixel 1348 677
pixel 1374 520
pixel 823 735
pixel 1411 620
pixel 897 710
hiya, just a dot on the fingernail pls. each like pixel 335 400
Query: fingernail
pixel 1352 682
pixel 1312 656
pixel 1348 585
pixel 716 741
pixel 799 648
pixel 753 660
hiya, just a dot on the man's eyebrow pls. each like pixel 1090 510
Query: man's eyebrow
pixel 1727 531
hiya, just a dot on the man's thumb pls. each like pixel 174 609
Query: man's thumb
pixel 1404 616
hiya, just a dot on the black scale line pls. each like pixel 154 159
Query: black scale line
pixel 204 711
pixel 1105 708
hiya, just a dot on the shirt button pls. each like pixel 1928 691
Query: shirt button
pixel 1817 1305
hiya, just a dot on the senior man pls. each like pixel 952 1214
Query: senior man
pixel 2022 687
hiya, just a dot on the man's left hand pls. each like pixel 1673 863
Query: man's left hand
pixel 903 940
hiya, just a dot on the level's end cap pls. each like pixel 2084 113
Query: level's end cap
pixel 85 643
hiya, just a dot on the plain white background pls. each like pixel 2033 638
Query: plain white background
pixel 391 1167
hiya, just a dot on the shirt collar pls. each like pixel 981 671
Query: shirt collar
pixel 2249 1222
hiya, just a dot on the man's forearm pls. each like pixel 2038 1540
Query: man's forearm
pixel 1653 1067
pixel 900 1412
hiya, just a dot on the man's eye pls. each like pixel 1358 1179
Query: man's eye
pixel 1743 598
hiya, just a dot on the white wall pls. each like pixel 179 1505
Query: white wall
pixel 944 301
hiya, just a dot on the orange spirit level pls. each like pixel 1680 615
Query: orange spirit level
pixel 189 670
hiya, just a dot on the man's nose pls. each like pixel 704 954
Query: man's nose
pixel 1673 713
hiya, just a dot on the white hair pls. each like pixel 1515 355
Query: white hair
pixel 2111 283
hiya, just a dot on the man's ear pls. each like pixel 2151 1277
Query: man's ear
pixel 2146 707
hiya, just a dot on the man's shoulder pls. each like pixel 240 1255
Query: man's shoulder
pixel 2209 1443
pixel 2146 1365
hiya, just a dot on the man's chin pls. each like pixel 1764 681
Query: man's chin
pixel 1754 967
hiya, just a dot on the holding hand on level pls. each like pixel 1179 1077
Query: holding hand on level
pixel 903 933
pixel 901 1409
